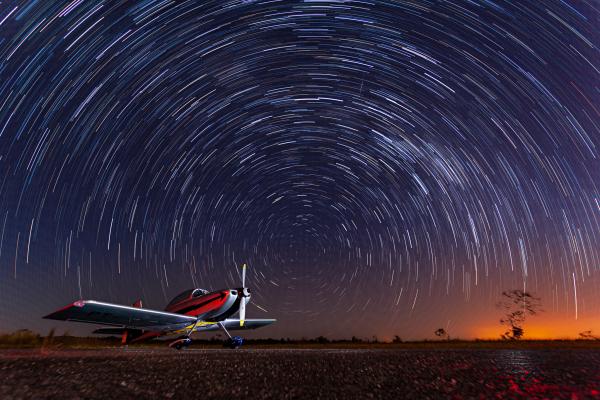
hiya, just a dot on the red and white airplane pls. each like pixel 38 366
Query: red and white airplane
pixel 191 311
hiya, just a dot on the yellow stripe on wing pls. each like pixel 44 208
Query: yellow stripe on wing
pixel 198 325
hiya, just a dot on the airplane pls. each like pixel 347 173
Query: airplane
pixel 194 310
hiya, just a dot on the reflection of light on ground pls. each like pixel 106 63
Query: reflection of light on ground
pixel 517 371
pixel 516 361
pixel 525 374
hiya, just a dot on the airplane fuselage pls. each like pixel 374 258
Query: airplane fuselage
pixel 213 306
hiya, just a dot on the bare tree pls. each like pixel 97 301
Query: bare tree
pixel 517 304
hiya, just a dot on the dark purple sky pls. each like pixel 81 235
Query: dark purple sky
pixel 384 167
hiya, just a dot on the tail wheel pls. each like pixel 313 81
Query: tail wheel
pixel 181 343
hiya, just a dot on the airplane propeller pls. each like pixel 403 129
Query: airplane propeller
pixel 245 297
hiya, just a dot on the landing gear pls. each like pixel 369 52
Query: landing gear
pixel 181 343
pixel 184 341
pixel 234 342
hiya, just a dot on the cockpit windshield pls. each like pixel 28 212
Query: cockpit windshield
pixel 188 294
pixel 199 292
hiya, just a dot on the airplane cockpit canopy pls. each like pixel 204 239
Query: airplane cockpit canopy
pixel 199 292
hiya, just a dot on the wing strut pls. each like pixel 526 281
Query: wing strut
pixel 190 331
pixel 224 329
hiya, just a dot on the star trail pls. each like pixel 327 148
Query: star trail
pixel 382 166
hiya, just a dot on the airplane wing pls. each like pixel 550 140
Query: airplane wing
pixel 96 312
pixel 234 325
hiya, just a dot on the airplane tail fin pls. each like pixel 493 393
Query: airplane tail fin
pixel 138 303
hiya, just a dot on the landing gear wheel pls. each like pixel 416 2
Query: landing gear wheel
pixel 234 343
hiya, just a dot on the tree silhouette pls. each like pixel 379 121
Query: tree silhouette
pixel 356 340
pixel 322 340
pixel 441 332
pixel 517 304
pixel 588 335
pixel 397 339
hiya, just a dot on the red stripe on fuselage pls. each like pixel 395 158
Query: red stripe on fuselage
pixel 200 305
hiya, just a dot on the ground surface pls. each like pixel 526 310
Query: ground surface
pixel 299 373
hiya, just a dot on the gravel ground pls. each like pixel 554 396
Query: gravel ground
pixel 295 373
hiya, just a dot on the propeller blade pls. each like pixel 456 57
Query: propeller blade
pixel 245 298
pixel 244 275
pixel 243 311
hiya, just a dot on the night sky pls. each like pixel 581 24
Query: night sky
pixel 384 167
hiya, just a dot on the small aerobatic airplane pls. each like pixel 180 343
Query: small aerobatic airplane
pixel 191 311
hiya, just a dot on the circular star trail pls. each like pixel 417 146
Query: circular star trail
pixel 367 159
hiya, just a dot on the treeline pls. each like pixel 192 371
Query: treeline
pixel 24 338
pixel 27 339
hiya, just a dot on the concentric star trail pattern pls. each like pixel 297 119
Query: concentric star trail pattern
pixel 378 164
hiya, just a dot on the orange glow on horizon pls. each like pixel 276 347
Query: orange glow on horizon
pixel 550 327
